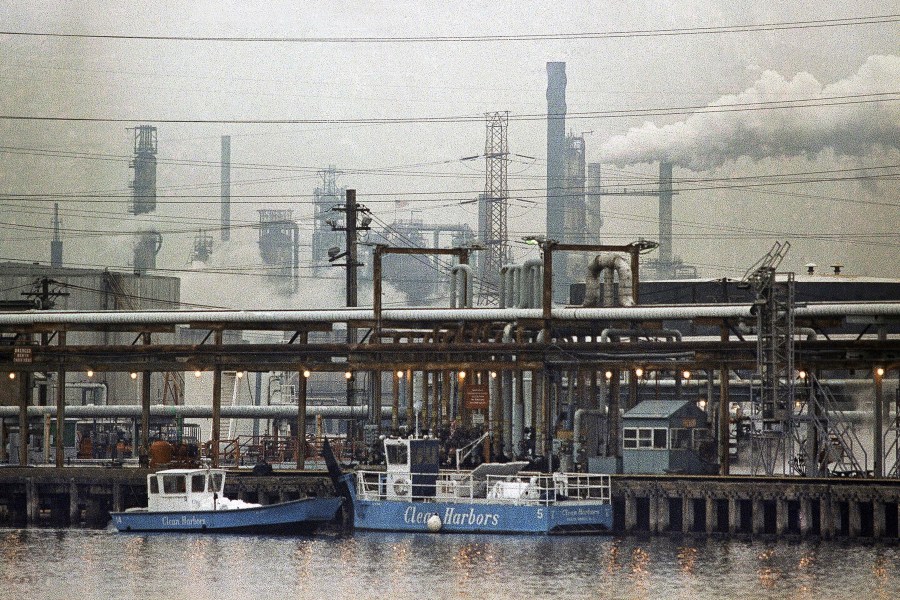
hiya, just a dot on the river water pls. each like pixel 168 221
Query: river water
pixel 79 564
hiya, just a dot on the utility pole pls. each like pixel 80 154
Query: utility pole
pixel 351 227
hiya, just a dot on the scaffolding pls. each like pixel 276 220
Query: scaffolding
pixel 143 188
pixel 324 236
pixel 770 409
pixel 279 246
pixel 203 247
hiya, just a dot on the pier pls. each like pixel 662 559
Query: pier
pixel 733 506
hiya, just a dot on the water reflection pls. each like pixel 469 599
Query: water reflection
pixel 47 564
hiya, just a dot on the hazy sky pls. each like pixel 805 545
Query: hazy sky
pixel 846 211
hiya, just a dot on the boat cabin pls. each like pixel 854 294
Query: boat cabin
pixel 412 468
pixel 185 489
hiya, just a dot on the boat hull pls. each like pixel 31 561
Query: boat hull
pixel 295 517
pixel 477 517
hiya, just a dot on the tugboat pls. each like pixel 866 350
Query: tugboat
pixel 414 494
pixel 192 500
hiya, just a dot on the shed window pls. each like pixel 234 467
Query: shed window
pixel 216 482
pixel 154 485
pixel 197 482
pixel 645 437
pixel 660 437
pixel 629 438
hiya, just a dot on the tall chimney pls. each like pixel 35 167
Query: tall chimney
pixel 556 152
pixel 226 188
pixel 56 246
pixel 593 208
pixel 665 218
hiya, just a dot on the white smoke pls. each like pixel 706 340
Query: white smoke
pixel 709 139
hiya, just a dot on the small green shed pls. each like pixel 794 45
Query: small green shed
pixel 667 436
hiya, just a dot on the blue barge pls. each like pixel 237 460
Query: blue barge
pixel 413 494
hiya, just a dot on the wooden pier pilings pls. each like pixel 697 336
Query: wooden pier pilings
pixel 758 506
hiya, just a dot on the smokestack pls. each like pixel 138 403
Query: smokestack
pixel 143 196
pixel 556 152
pixel 665 218
pixel 56 246
pixel 226 188
pixel 146 247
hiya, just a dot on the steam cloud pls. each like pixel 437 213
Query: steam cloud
pixel 707 140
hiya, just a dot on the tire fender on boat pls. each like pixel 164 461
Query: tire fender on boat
pixel 401 486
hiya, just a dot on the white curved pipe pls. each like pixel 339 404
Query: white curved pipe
pixel 604 264
pixel 669 334
pixel 461 295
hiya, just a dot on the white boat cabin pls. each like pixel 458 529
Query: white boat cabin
pixel 185 489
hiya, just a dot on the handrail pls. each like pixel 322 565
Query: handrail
pixel 455 486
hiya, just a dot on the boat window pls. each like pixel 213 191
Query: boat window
pixel 154 485
pixel 424 454
pixel 216 482
pixel 396 454
pixel 173 484
pixel 197 482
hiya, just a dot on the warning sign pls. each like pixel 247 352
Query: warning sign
pixel 477 397
pixel 22 355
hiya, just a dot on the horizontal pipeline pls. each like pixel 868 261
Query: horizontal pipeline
pixel 284 411
pixel 645 312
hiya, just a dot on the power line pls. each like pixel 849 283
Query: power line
pixel 822 101
pixel 634 33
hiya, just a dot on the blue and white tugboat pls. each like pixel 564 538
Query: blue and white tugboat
pixel 193 500
pixel 413 494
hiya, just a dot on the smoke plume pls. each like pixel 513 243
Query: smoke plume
pixel 709 139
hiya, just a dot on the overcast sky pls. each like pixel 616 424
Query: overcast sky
pixel 852 217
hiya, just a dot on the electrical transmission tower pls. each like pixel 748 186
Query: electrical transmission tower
pixel 495 202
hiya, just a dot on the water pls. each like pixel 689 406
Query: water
pixel 56 564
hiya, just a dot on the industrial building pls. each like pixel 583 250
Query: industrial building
pixel 64 288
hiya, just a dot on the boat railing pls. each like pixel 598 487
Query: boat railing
pixel 461 486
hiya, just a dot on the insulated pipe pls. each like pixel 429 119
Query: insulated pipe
pixel 503 285
pixel 453 303
pixel 283 411
pixel 534 283
pixel 809 332
pixel 669 334
pixel 464 293
pixel 509 412
pixel 604 264
pixel 250 317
